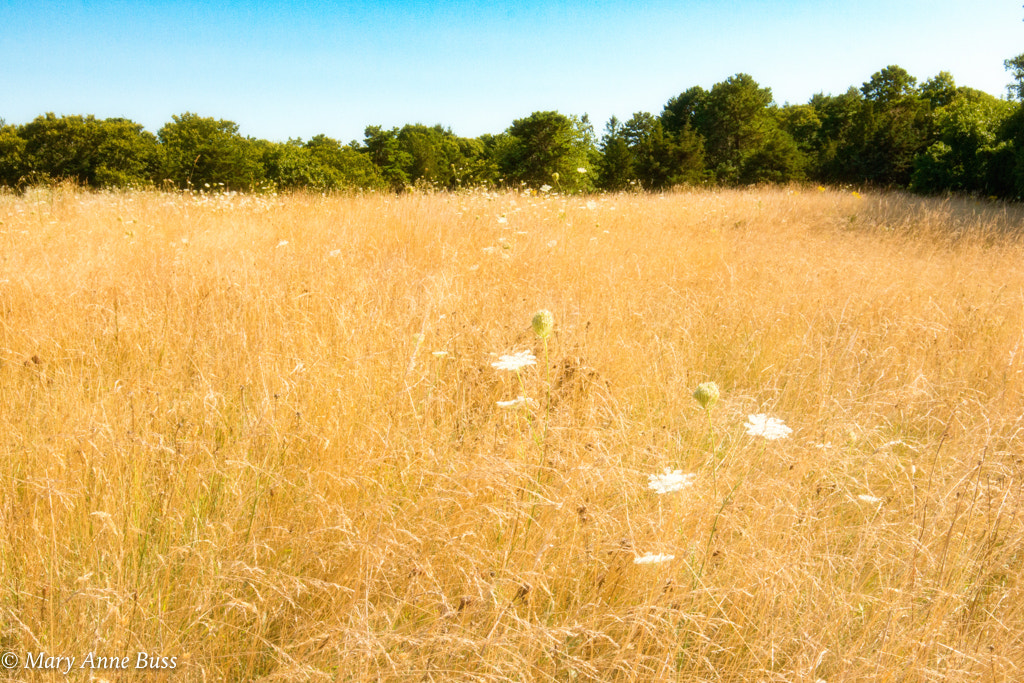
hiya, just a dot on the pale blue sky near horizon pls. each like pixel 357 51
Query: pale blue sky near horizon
pixel 296 69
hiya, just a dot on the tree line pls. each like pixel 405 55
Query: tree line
pixel 930 137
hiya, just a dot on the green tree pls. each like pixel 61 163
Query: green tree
pixel 889 85
pixel 292 166
pixel 734 121
pixel 1016 67
pixel 1005 161
pixel 615 168
pixel 966 129
pixel 487 159
pixel 684 110
pixel 792 152
pixel 890 129
pixel 348 166
pixel 835 143
pixel 893 137
pixel 661 159
pixel 939 90
pixel 60 147
pixel 478 167
pixel 644 137
pixel 777 159
pixel 802 123
pixel 98 153
pixel 1001 176
pixel 385 151
pixel 200 151
pixel 434 155
pixel 546 143
pixel 126 155
pixel 12 157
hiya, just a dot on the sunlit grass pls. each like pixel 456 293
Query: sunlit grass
pixel 298 437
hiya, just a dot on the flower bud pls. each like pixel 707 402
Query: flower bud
pixel 543 322
pixel 707 395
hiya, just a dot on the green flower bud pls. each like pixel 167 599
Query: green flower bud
pixel 554 176
pixel 707 395
pixel 543 322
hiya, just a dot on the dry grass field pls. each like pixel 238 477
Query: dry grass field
pixel 261 435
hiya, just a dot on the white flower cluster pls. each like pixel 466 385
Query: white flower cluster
pixel 516 402
pixel 515 362
pixel 672 480
pixel 770 428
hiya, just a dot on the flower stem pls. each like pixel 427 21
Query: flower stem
pixel 547 406
pixel 714 454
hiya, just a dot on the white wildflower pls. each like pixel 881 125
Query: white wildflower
pixel 770 428
pixel 672 480
pixel 865 498
pixel 515 362
pixel 651 558
pixel 516 402
pixel 545 188
pixel 581 170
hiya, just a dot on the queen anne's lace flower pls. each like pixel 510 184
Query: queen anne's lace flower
pixel 516 361
pixel 770 428
pixel 516 402
pixel 672 480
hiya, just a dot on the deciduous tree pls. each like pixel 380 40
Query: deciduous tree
pixel 200 151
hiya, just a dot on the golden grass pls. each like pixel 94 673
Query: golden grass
pixel 222 439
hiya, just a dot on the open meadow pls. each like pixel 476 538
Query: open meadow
pixel 263 437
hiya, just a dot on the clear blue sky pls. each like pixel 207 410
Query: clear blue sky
pixel 295 69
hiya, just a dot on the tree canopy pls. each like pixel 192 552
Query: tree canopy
pixel 890 131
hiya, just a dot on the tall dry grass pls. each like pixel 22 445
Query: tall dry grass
pixel 222 438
